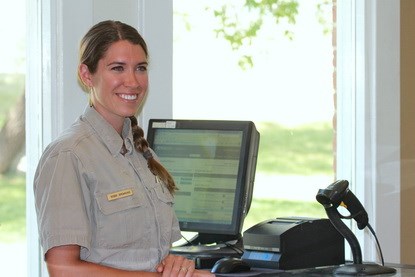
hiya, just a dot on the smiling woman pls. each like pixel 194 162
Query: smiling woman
pixel 121 92
pixel 101 173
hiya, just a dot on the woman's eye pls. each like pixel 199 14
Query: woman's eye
pixel 117 68
pixel 142 68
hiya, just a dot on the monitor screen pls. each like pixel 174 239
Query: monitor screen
pixel 213 163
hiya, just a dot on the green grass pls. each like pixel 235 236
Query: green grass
pixel 301 150
pixel 12 186
pixel 263 209
pixel 12 208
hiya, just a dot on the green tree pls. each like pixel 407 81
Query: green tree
pixel 240 21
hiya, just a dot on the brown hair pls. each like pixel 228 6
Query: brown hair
pixel 93 47
pixel 141 144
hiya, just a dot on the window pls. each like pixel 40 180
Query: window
pixel 367 83
pixel 12 139
pixel 288 93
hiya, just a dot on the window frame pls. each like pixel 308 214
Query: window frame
pixel 368 139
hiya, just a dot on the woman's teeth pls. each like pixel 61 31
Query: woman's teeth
pixel 128 96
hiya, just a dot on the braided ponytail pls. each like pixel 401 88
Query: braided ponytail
pixel 141 145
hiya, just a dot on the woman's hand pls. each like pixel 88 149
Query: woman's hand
pixel 179 266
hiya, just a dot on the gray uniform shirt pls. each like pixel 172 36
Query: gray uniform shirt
pixel 111 205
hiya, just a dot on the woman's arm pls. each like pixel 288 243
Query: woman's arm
pixel 65 261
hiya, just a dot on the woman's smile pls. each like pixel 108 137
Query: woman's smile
pixel 128 96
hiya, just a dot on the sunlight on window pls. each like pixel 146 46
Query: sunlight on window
pixel 288 93
pixel 12 178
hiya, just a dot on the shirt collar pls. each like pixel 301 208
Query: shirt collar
pixel 107 133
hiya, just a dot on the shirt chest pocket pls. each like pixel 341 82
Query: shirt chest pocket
pixel 166 215
pixel 121 218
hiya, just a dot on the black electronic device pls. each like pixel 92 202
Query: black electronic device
pixel 213 163
pixel 338 194
pixel 293 243
pixel 230 265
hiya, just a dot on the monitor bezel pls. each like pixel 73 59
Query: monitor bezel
pixel 245 176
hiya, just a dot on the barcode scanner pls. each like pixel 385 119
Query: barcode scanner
pixel 338 194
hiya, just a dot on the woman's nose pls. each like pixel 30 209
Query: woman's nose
pixel 132 80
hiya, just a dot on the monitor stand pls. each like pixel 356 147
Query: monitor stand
pixel 363 269
pixel 205 238
pixel 206 249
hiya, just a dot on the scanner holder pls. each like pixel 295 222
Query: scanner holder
pixel 331 198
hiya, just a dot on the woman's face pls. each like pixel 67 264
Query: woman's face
pixel 120 82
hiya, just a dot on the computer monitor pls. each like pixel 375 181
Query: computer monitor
pixel 213 163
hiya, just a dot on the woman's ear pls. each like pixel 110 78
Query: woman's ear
pixel 85 75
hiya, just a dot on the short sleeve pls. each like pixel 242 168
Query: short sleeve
pixel 60 201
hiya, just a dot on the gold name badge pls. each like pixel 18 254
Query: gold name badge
pixel 119 194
